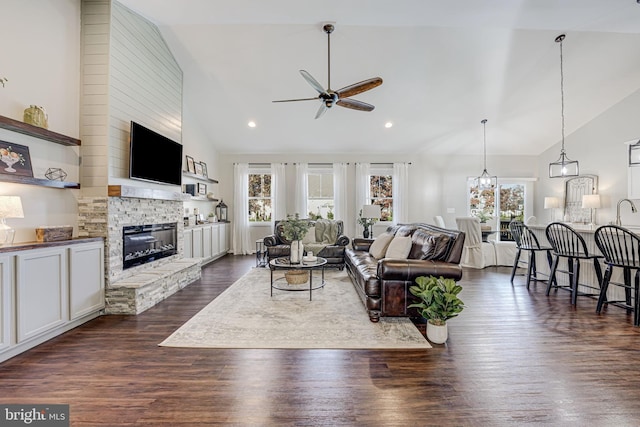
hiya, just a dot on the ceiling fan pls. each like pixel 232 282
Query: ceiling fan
pixel 329 97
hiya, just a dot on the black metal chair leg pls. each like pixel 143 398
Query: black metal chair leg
pixel 515 265
pixel 636 313
pixel 552 275
pixel 603 289
pixel 530 267
pixel 575 280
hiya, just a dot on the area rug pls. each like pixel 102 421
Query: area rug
pixel 247 316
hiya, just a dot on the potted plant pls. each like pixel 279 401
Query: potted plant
pixel 439 302
pixel 294 229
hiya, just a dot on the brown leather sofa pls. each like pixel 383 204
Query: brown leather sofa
pixel 383 285
pixel 277 245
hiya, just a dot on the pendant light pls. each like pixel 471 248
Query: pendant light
pixel 485 181
pixel 563 167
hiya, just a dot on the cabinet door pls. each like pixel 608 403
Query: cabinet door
pixel 86 279
pixel 224 237
pixel 188 243
pixel 206 241
pixel 215 240
pixel 41 291
pixel 5 301
pixel 197 243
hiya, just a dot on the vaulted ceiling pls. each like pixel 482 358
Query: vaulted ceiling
pixel 446 65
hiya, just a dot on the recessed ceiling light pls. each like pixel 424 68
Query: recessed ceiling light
pixel 251 124
pixel 388 125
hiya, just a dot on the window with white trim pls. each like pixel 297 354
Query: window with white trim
pixel 320 202
pixel 381 191
pixel 260 202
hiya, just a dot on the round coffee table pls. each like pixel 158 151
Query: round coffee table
pixel 283 263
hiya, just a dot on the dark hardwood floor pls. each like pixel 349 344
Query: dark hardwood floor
pixel 513 357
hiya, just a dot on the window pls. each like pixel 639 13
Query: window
pixel 381 191
pixel 512 204
pixel 320 202
pixel 260 197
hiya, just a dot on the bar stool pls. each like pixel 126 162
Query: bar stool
pixel 528 242
pixel 621 248
pixel 570 245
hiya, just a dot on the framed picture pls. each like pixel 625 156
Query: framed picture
pixel 198 168
pixel 204 169
pixel 16 159
pixel 202 189
pixel 191 167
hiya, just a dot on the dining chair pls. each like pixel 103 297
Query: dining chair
pixel 528 242
pixel 621 249
pixel 567 244
pixel 439 221
pixel 475 252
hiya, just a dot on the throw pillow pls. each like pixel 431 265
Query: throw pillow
pixel 379 246
pixel 399 247
pixel 310 237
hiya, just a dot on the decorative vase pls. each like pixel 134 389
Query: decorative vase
pixel 365 232
pixel 437 334
pixel 296 252
pixel 37 116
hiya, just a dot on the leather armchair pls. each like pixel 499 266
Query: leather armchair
pixel 278 246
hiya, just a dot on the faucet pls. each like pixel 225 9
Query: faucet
pixel 633 209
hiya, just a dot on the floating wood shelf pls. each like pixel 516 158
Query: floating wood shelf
pixel 37 132
pixel 38 181
pixel 200 177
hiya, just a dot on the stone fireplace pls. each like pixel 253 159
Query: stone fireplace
pixel 153 220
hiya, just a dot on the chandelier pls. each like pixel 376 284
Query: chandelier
pixel 485 181
pixel 564 166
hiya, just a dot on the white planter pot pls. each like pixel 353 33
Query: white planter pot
pixel 437 334
pixel 296 252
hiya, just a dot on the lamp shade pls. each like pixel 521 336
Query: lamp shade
pixel 11 207
pixel 371 211
pixel 551 202
pixel 591 201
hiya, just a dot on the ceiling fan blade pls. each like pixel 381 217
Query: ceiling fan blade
pixel 313 82
pixel 300 99
pixel 323 109
pixel 359 87
pixel 355 105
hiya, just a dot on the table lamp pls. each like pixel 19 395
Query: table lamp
pixel 591 201
pixel 10 207
pixel 552 203
pixel 371 212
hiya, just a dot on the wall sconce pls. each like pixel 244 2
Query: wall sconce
pixel 10 207
pixel 591 201
pixel 552 203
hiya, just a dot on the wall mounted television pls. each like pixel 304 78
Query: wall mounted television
pixel 153 157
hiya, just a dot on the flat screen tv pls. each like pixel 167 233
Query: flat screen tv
pixel 154 157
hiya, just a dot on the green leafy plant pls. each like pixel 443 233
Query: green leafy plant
pixel 439 300
pixel 365 222
pixel 483 216
pixel 294 228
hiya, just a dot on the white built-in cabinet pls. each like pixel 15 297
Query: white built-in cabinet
pixel 208 241
pixel 47 290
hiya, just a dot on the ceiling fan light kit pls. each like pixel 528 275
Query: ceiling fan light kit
pixel 329 97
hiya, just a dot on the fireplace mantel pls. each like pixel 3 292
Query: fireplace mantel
pixel 145 193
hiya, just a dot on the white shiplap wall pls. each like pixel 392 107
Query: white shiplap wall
pixel 129 74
